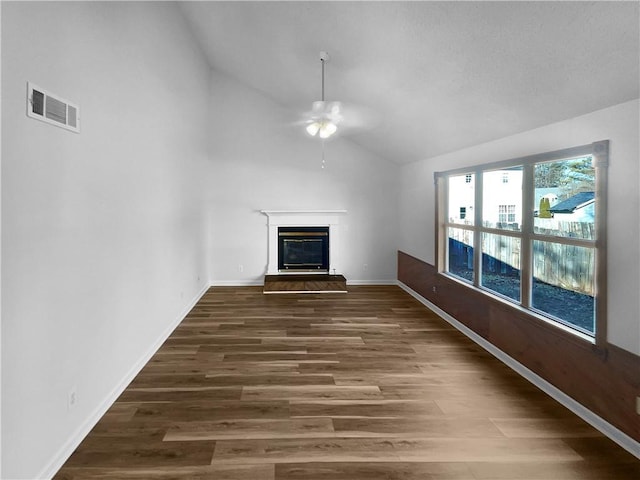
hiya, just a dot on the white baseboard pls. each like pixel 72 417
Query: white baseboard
pixel 72 443
pixel 618 436
pixel 372 282
pixel 237 283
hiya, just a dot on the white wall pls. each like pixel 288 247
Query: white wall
pixel 620 125
pixel 263 162
pixel 103 232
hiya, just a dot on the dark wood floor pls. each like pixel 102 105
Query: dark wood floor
pixel 368 385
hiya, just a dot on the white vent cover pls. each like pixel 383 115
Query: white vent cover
pixel 52 109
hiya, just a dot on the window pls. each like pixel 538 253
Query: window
pixel 531 233
pixel 506 213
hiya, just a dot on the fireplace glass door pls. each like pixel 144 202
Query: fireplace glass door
pixel 303 249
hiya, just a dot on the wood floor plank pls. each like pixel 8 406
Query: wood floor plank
pixel 334 392
pixel 255 429
pixel 368 385
pixel 414 426
pixel 364 408
pixel 208 472
pixel 257 380
pixel 185 411
pixel 545 427
pixel 608 470
pixel 177 394
pixel 280 356
pixel 391 449
pixel 373 471
pixel 116 452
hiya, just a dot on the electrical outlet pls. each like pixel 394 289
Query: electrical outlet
pixel 72 398
pixel 434 289
pixel 241 268
pixel 365 266
pixel 638 405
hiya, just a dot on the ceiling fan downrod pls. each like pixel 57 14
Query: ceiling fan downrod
pixel 324 57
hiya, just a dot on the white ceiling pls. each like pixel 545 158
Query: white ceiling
pixel 443 75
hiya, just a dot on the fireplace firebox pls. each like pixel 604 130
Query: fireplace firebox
pixel 303 249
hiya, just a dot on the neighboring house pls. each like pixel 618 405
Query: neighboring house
pixel 502 200
pixel 579 208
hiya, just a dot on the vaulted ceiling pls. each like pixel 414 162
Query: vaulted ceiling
pixel 440 76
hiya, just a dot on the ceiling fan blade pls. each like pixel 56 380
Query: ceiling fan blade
pixel 348 117
pixel 358 117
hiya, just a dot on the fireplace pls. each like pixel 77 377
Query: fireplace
pixel 303 249
pixel 328 219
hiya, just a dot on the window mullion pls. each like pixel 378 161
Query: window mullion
pixel 477 233
pixel 600 163
pixel 441 184
pixel 526 261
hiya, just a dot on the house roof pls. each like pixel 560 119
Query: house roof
pixel 571 204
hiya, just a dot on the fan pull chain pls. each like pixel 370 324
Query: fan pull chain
pixel 323 160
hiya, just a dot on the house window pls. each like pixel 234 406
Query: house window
pixel 463 213
pixel 540 256
pixel 506 213
pixel 468 178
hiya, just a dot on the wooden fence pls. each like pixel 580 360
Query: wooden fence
pixel 566 266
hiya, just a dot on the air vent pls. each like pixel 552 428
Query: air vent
pixel 52 109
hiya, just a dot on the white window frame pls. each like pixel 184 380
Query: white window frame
pixel 600 154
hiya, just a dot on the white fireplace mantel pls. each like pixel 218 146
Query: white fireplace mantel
pixel 304 218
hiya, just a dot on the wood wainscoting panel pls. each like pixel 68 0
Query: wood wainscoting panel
pixel 606 380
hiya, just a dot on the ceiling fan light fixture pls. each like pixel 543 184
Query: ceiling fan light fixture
pixel 323 128
pixel 327 129
pixel 313 128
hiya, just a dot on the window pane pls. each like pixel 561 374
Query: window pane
pixel 563 283
pixel 565 198
pixel 501 264
pixel 502 198
pixel 461 199
pixel 461 253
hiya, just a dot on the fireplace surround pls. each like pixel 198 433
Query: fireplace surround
pixel 304 219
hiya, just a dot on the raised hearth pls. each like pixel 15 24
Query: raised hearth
pixel 305 283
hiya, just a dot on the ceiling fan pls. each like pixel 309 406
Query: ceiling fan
pixel 328 118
